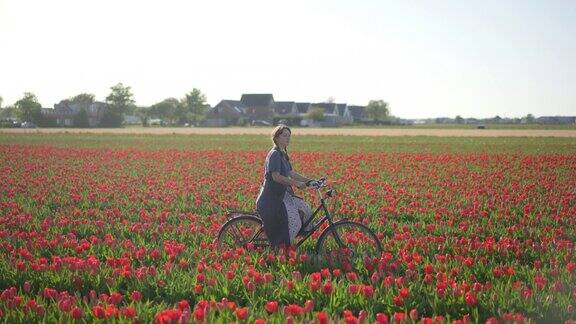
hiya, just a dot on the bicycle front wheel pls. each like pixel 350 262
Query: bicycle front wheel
pixel 346 242
pixel 240 231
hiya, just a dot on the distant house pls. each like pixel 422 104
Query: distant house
pixel 285 109
pixel 444 120
pixel 263 109
pixel 66 111
pixel 303 108
pixel 132 120
pixel 344 113
pixel 258 107
pixel 331 117
pixel 556 120
pixel 286 112
pixel 358 114
pixel 226 112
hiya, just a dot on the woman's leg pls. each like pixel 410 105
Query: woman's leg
pixel 294 221
pixel 304 211
pixel 275 221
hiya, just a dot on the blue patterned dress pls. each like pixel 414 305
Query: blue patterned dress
pixel 269 203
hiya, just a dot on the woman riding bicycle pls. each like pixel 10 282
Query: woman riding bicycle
pixel 282 212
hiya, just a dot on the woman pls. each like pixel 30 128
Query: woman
pixel 277 205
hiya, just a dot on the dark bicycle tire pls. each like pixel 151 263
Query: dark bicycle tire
pixel 360 243
pixel 241 230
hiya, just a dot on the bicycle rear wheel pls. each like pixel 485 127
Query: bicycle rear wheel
pixel 357 242
pixel 241 230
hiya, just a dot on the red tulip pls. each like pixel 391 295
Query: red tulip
pixel 136 296
pixel 27 286
pixel 77 313
pixel 271 307
pixel 322 318
pixel 327 288
pixel 129 312
pixel 413 314
pixel 242 313
pixel 115 298
pixel 470 299
pixel 309 306
pixel 98 312
pixel 381 318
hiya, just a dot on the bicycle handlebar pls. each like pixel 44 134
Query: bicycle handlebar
pixel 316 184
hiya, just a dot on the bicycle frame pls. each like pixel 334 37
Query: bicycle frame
pixel 327 217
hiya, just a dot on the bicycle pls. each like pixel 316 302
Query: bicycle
pixel 341 240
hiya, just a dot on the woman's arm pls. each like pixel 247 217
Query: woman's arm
pixel 276 176
pixel 299 177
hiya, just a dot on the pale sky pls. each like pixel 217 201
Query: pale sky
pixel 425 58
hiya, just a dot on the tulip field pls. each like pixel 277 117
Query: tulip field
pixel 121 228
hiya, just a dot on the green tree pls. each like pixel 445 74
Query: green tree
pixel 496 120
pixel 315 113
pixel 29 109
pixel 81 119
pixel 144 114
pixel 193 107
pixel 1 100
pixel 85 99
pixel 120 101
pixel 459 119
pixel 8 112
pixel 530 119
pixel 378 110
pixel 166 109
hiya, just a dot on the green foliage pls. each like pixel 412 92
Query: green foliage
pixel 144 114
pixel 81 120
pixel 111 119
pixel 315 113
pixel 166 109
pixel 530 119
pixel 121 98
pixel 29 109
pixel 190 109
pixel 120 102
pixel 378 110
pixel 85 99
pixel 46 122
pixel 8 112
pixel 193 107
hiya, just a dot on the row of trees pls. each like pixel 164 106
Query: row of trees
pixel 120 102
pixel 188 110
pixel 27 109
pixel 528 119
pixel 377 110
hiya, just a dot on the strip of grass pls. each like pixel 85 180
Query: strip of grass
pixel 475 126
pixel 512 145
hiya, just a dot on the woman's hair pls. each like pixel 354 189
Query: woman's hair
pixel 275 133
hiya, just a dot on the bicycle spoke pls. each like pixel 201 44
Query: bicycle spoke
pixel 347 243
pixel 241 230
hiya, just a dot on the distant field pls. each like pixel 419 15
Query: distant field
pixel 358 131
pixel 300 142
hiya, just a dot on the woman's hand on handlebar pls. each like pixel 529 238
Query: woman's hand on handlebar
pixel 315 183
pixel 301 185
